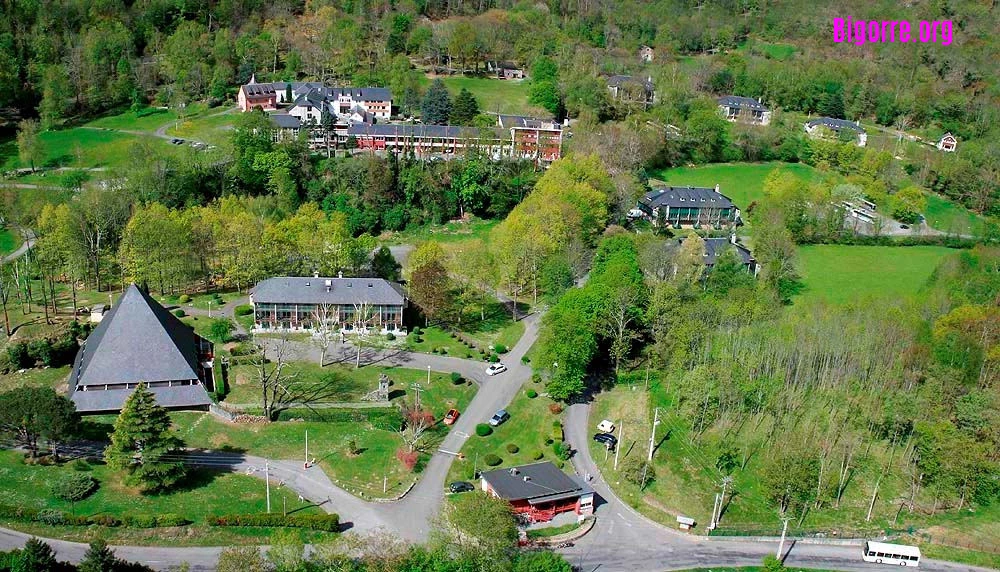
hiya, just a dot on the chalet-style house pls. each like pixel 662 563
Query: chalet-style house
pixel 505 70
pixel 646 54
pixel 744 110
pixel 140 342
pixel 632 89
pixel 947 143
pixel 514 137
pixel 715 247
pixel 539 491
pixel 697 207
pixel 822 126
pixel 294 303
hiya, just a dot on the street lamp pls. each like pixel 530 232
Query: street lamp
pixel 428 375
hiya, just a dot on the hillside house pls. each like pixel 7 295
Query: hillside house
pixel 531 138
pixel 139 342
pixel 697 207
pixel 632 89
pixel 297 303
pixel 744 110
pixel 825 126
pixel 308 100
pixel 948 143
pixel 715 247
pixel 646 54
pixel 505 70
pixel 539 491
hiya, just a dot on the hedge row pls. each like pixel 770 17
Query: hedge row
pixel 948 241
pixel 383 418
pixel 323 522
pixel 58 517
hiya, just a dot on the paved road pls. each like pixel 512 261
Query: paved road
pixel 29 243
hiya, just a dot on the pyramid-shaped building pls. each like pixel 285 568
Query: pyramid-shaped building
pixel 140 342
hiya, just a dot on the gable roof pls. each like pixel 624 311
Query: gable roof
pixel 677 197
pixel 285 121
pixel 835 124
pixel 619 80
pixel 536 483
pixel 742 103
pixel 319 290
pixel 715 247
pixel 948 136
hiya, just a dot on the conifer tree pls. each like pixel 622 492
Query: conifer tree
pixel 436 106
pixel 141 444
pixel 98 558
pixel 36 557
pixel 465 108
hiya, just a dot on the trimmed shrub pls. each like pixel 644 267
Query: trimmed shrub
pixel 242 349
pixel 512 448
pixel 180 313
pixel 381 418
pixel 80 465
pixel 243 310
pixel 492 460
pixel 525 360
pixel 323 522
pixel 531 393
pixel 408 458
pixel 416 331
pixel 74 487
pixel 50 516
pixel 483 430
pixel 494 358
pixel 557 431
pixel 456 377
pixel 555 408
pixel 390 336
pixel 139 520
pixel 500 348
pixel 536 378
pixel 184 299
pixel 170 519
pixel 561 450
pixel 537 455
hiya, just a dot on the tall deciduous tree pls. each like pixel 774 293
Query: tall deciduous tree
pixel 30 413
pixel 30 147
pixel 142 445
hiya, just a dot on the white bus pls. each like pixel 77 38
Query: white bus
pixel 882 553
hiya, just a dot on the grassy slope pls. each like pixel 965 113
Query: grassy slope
pixel 838 274
pixel 493 95
pixel 950 217
pixel 9 241
pixel 96 148
pixel 202 494
pixel 444 233
pixel 742 182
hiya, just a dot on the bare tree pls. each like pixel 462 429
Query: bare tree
pixel 364 314
pixel 272 376
pixel 326 319
pixel 416 423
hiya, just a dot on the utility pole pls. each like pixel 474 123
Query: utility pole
pixel 726 481
pixel 781 544
pixel 417 389
pixel 307 448
pixel 267 484
pixel 715 508
pixel 652 435
pixel 428 376
pixel 385 482
pixel 621 431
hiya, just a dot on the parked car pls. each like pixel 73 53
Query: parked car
pixel 461 487
pixel 606 426
pixel 606 439
pixel 499 417
pixel 451 416
pixel 496 368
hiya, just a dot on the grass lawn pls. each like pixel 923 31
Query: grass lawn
pixel 54 377
pixel 450 232
pixel 215 127
pixel 202 494
pixel 498 328
pixel 550 531
pixel 493 95
pixel 530 424
pixel 10 240
pixel 146 119
pixel 950 217
pixel 200 324
pixel 838 273
pixel 201 301
pixel 741 182
pixel 82 147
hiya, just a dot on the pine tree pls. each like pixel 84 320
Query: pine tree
pixel 436 106
pixel 37 557
pixel 465 108
pixel 99 558
pixel 141 444
pixel 288 93
pixel 832 103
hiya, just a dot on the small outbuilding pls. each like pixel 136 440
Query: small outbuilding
pixel 539 491
pixel 947 143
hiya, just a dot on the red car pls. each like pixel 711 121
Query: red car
pixel 451 416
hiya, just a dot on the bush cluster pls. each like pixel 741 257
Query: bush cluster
pixel 492 460
pixel 483 430
pixel 456 377
pixel 58 517
pixel 243 310
pixel 500 348
pixel 73 487
pixel 180 313
pixel 323 522
pixel 242 349
pixel 184 299
pixel 52 351
pixel 512 448
pixel 531 393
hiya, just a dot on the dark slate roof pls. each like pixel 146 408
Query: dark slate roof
pixel 619 80
pixel 312 290
pixel 509 121
pixel 177 397
pixel 137 341
pixel 675 197
pixel 714 247
pixel 303 87
pixel 285 121
pixel 258 89
pixel 742 102
pixel 536 483
pixel 313 97
pixel 835 124
pixel 362 93
pixel 406 130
